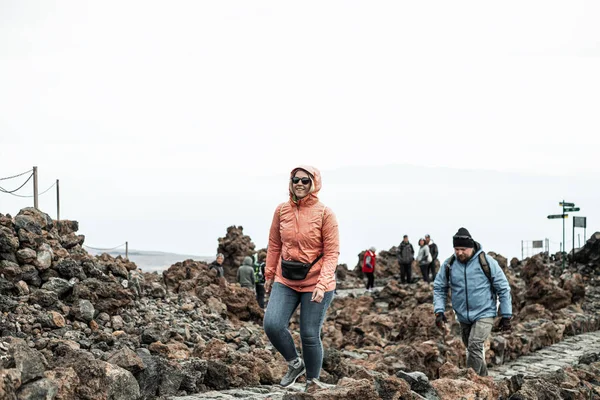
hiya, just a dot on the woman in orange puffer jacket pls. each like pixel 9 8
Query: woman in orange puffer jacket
pixel 302 256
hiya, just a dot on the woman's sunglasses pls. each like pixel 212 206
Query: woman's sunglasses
pixel 305 181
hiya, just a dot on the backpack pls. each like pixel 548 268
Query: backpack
pixel 485 266
pixel 406 255
pixel 368 266
pixel 259 272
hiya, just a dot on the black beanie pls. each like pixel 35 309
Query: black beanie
pixel 463 239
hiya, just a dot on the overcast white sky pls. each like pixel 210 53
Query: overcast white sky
pixel 160 118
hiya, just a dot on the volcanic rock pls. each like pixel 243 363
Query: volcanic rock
pixel 235 246
pixel 590 253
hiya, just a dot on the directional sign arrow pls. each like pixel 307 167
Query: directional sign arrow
pixel 571 209
pixel 566 204
pixel 558 216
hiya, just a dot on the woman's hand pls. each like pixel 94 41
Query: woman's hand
pixel 317 295
pixel 269 285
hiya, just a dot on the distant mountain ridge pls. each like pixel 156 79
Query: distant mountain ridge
pixel 150 261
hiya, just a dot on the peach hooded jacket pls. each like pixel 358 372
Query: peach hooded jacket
pixel 301 230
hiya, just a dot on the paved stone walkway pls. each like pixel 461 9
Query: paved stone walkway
pixel 552 358
pixel 258 392
pixel 356 292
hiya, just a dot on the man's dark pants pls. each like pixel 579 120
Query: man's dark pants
pixel 405 273
pixel 432 270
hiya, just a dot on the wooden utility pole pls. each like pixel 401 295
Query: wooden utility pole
pixel 35 188
pixel 127 250
pixel 57 201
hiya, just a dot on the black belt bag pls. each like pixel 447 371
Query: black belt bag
pixel 296 270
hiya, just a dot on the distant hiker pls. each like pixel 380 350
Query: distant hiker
pixel 245 273
pixel 259 279
pixel 301 260
pixel 424 259
pixel 217 265
pixel 368 267
pixel 433 249
pixel 476 282
pixel 406 255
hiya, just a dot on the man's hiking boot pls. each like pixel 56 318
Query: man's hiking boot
pixel 293 373
pixel 312 385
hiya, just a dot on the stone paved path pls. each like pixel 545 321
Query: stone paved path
pixel 552 358
pixel 356 292
pixel 258 392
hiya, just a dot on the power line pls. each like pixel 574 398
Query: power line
pixel 15 176
pixel 17 189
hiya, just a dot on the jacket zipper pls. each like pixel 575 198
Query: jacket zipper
pixel 467 293
pixel 298 227
pixel 297 232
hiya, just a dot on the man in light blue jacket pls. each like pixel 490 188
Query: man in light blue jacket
pixel 477 284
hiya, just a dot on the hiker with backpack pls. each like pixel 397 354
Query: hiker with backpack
pixel 406 255
pixel 368 267
pixel 302 257
pixel 433 249
pixel 477 283
pixel 424 259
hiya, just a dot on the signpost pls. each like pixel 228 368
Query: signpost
pixel 566 207
pixel 579 222
pixel 558 216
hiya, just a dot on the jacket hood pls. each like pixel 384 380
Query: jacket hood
pixel 247 261
pixel 477 249
pixel 315 177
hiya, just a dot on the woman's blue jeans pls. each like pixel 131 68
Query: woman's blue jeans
pixel 282 304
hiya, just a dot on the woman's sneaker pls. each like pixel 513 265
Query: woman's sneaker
pixel 294 371
pixel 315 384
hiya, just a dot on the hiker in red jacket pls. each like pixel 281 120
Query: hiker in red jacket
pixel 368 267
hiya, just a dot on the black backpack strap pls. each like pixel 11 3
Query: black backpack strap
pixel 449 263
pixel 485 266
